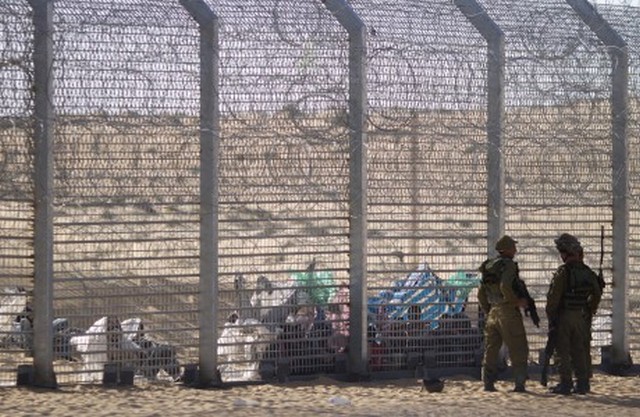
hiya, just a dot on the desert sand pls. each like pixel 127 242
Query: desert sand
pixel 462 396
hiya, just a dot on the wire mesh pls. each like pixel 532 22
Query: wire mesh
pixel 624 18
pixel 283 183
pixel 426 163
pixel 126 179
pixel 16 184
pixel 557 152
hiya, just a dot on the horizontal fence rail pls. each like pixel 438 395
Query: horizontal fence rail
pixel 219 191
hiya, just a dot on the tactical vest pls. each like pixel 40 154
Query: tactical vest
pixel 579 287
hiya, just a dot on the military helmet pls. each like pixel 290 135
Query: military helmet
pixel 567 243
pixel 505 242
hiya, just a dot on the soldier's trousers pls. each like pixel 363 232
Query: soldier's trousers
pixel 504 325
pixel 573 339
pixel 587 344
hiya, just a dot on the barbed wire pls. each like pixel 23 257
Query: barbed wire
pixel 127 147
pixel 419 67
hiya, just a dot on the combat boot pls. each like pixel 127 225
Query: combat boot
pixel 562 388
pixel 489 387
pixel 582 387
pixel 519 388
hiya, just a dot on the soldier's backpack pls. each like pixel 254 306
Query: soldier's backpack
pixel 490 270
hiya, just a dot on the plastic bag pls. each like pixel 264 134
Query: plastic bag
pixel 318 284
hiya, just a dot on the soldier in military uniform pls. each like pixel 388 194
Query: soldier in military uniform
pixel 501 306
pixel 572 300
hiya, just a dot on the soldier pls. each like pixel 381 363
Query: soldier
pixel 572 300
pixel 504 323
pixel 589 320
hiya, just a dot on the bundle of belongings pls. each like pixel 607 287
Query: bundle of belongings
pixel 424 312
pixel 241 345
pixel 284 319
pixel 424 296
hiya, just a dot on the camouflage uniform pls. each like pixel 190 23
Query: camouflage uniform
pixel 504 318
pixel 572 300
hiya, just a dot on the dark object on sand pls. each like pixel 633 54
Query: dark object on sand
pixel 432 385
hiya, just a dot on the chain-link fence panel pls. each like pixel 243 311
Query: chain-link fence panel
pixel 126 183
pixel 284 178
pixel 16 186
pixel 557 141
pixel 427 202
pixel 126 179
pixel 624 18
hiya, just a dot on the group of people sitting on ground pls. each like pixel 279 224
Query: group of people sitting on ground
pixel 287 322
pixel 108 340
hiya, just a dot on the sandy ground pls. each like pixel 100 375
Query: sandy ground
pixel 462 396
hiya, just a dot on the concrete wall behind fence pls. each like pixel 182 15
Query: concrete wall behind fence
pixel 474 124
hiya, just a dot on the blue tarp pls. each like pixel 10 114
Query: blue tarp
pixel 423 293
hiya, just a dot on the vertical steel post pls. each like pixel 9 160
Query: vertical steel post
pixel 346 16
pixel 619 53
pixel 209 154
pixel 495 117
pixel 43 375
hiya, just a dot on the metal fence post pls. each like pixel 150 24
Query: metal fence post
pixel 495 117
pixel 209 153
pixel 620 186
pixel 43 375
pixel 346 16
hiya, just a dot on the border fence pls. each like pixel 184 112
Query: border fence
pixel 234 190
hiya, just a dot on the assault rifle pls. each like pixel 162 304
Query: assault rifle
pixel 520 288
pixel 549 348
pixel 600 274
